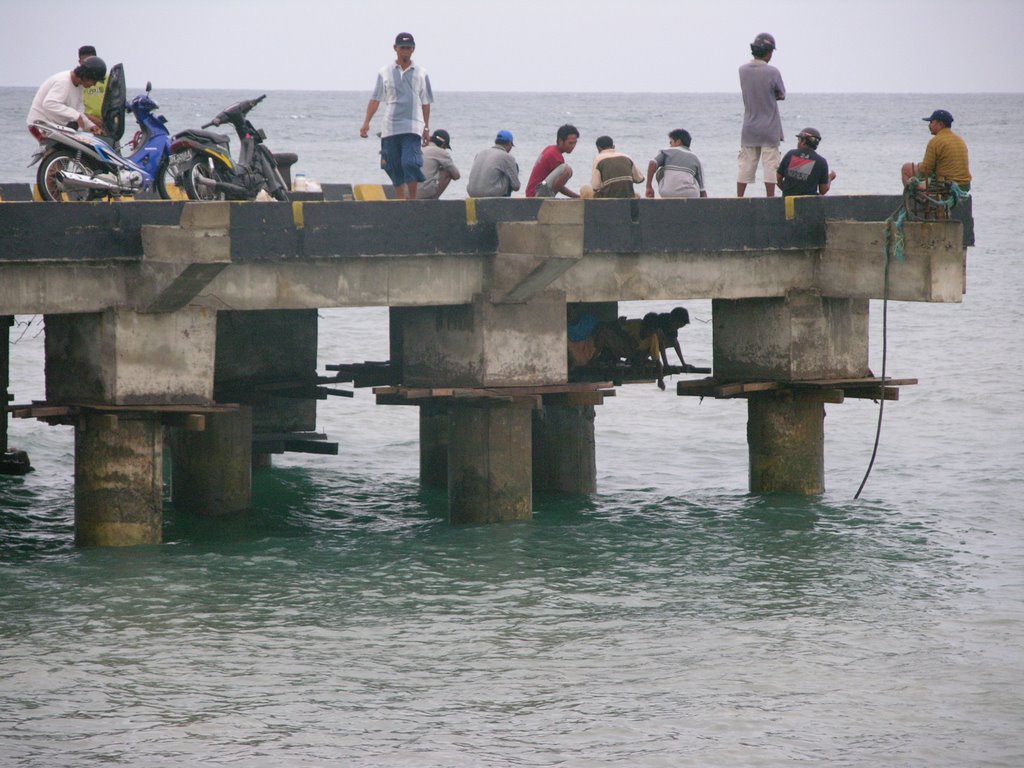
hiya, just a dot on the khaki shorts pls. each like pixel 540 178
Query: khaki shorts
pixel 748 158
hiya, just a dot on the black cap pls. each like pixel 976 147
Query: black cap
pixel 441 138
pixel 941 115
pixel 404 39
pixel 764 40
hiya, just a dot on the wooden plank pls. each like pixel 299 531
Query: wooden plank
pixel 874 393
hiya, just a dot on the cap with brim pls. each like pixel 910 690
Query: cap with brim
pixel 441 138
pixel 504 137
pixel 940 115
pixel 404 39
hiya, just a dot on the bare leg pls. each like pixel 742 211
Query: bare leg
pixel 741 187
pixel 443 180
pixel 400 192
pixel 906 172
pixel 560 182
pixel 411 187
pixel 769 189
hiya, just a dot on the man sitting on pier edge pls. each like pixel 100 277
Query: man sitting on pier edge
pixel 945 157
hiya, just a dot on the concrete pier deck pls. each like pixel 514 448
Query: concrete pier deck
pixel 150 305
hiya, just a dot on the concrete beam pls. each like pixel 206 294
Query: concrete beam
pixel 119 357
pixel 485 344
pixel 933 268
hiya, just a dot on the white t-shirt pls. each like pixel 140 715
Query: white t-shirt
pixel 58 101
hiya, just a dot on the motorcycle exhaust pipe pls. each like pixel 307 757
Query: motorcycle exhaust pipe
pixel 223 186
pixel 86 182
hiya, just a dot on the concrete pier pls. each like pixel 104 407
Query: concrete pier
pixel 489 467
pixel 151 307
pixel 564 450
pixel 786 439
pixel 434 446
pixel 118 481
pixel 212 468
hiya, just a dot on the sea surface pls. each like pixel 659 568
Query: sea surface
pixel 672 619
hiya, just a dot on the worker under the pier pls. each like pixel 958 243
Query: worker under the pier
pixel 669 324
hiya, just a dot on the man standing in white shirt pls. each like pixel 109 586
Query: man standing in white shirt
pixel 404 90
pixel 59 99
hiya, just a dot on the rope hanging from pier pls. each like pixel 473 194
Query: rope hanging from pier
pixel 917 191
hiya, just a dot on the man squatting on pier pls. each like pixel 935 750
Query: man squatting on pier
pixel 404 89
pixel 439 167
pixel 551 173
pixel 495 172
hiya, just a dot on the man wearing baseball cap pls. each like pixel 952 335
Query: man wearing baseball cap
pixel 438 166
pixel 404 90
pixel 762 88
pixel 495 172
pixel 945 157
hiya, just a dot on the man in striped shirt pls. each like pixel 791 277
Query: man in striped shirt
pixel 404 90
pixel 945 157
pixel 677 169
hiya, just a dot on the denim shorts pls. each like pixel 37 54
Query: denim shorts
pixel 402 158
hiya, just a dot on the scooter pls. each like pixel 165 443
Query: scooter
pixel 201 160
pixel 76 165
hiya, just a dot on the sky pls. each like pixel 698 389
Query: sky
pixel 695 46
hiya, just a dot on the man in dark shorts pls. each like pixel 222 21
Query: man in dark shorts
pixel 404 90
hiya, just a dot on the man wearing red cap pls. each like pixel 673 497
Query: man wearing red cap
pixel 945 157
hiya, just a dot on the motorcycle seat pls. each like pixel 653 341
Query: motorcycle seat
pixel 199 133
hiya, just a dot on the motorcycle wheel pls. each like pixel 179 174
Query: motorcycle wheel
pixel 50 187
pixel 201 167
pixel 162 177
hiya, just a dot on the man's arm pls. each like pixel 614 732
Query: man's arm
pixel 426 124
pixel 652 167
pixel 371 110
pixel 512 171
pixel 451 168
pixel 927 166
pixel 637 176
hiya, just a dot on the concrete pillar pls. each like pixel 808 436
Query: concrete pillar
pixel 564 455
pixel 433 446
pixel 786 439
pixel 800 336
pixel 118 481
pixel 489 463
pixel 6 321
pixel 212 469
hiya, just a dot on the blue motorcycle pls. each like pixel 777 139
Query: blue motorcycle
pixel 76 165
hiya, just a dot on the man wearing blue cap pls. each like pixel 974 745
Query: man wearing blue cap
pixel 404 90
pixel 495 172
pixel 945 157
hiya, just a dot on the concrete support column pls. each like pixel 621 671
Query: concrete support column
pixel 212 469
pixel 786 439
pixel 489 463
pixel 433 446
pixel 6 321
pixel 564 455
pixel 118 481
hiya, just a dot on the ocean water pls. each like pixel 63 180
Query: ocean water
pixel 670 620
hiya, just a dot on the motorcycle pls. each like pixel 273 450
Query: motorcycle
pixel 76 165
pixel 201 160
